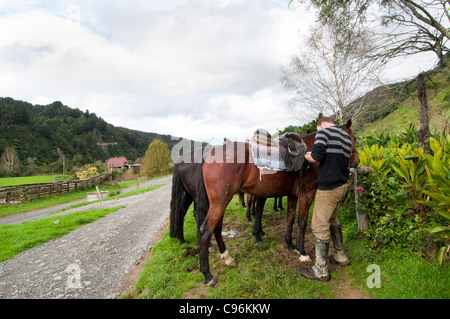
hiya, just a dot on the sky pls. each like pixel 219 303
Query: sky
pixel 197 69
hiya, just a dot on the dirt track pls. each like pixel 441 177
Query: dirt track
pixel 98 260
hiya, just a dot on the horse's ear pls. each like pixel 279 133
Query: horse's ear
pixel 320 116
pixel 349 123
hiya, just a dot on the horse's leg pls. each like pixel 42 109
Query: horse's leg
pixel 257 226
pixel 306 201
pixel 242 199
pixel 229 261
pixel 212 220
pixel 280 203
pixel 261 204
pixel 292 203
pixel 275 206
pixel 249 207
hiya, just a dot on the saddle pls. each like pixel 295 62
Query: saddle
pixel 293 150
pixel 287 153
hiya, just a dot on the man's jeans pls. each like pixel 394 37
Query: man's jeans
pixel 325 212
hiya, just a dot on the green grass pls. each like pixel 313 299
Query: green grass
pixel 47 201
pixel 172 272
pixel 10 181
pixel 404 275
pixel 131 193
pixel 15 239
pixel 262 272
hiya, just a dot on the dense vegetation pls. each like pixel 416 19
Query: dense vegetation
pixel 41 134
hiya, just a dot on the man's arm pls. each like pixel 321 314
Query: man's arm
pixel 309 158
pixel 319 148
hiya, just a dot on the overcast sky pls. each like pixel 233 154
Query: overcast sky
pixel 199 69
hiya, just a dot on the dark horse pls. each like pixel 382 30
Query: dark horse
pixel 188 188
pixel 228 169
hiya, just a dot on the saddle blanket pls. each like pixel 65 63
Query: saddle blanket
pixel 267 156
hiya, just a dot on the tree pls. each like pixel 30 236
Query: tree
pixel 331 69
pixel 157 159
pixel 424 131
pixel 9 161
pixel 409 27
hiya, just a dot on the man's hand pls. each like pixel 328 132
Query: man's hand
pixel 309 157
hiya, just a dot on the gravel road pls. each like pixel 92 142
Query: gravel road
pixel 100 260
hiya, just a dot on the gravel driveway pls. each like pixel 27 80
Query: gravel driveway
pixel 99 260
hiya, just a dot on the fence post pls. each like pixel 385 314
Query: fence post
pixel 361 214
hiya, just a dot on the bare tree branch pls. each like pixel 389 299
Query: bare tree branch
pixel 331 69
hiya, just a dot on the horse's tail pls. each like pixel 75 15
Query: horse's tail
pixel 179 204
pixel 202 205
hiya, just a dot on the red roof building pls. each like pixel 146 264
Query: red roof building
pixel 116 163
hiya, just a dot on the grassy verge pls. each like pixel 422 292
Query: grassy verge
pixel 403 274
pixel 263 270
pixel 10 181
pixel 270 271
pixel 15 239
pixel 47 201
pixel 131 193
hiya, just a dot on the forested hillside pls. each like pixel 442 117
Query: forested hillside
pixel 41 134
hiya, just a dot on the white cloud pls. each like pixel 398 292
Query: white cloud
pixel 197 69
pixel 189 68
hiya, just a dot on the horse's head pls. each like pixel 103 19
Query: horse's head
pixel 354 160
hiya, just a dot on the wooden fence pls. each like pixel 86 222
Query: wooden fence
pixel 26 192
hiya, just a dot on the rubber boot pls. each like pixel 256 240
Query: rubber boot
pixel 339 257
pixel 320 269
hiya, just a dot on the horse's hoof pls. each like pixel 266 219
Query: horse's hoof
pixel 211 283
pixel 258 239
pixel 229 261
pixel 304 258
pixel 259 242
pixel 291 247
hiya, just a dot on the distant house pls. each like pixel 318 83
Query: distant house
pixel 116 163
pixel 137 168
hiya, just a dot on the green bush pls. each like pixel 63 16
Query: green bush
pixel 407 196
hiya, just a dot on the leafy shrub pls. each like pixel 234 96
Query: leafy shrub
pixel 405 176
pixel 87 172
pixel 380 196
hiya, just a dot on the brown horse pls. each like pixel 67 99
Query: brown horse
pixel 229 169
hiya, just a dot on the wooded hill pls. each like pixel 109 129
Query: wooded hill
pixel 37 132
pixel 393 108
